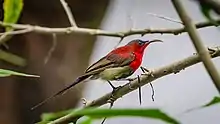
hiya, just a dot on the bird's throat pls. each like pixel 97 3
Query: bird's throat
pixel 135 64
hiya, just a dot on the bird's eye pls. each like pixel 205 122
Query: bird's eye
pixel 141 43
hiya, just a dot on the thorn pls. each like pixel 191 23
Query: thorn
pixel 213 51
pixel 121 39
pixel 129 85
pixel 195 53
pixel 84 101
pixel 142 69
pixel 139 89
pixel 103 121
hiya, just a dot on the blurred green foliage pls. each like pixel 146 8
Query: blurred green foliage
pixel 12 11
pixel 97 113
pixel 6 73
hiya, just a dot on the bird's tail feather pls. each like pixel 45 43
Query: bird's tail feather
pixel 78 80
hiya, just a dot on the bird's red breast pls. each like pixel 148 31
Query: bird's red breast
pixel 135 64
pixel 130 54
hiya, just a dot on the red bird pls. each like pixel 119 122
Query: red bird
pixel 118 64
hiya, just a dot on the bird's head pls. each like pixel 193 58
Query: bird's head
pixel 140 45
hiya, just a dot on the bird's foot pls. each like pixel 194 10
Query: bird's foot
pixel 115 89
pixel 147 72
pixel 112 98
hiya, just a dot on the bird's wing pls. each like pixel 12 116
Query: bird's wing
pixel 111 60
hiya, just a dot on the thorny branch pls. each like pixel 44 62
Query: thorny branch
pixel 98 32
pixel 69 13
pixel 174 67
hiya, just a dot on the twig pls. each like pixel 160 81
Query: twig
pixel 110 107
pixel 6 36
pixel 197 41
pixel 152 88
pixel 23 31
pixel 165 18
pixel 144 79
pixel 53 47
pixel 69 13
pixel 139 90
pixel 97 32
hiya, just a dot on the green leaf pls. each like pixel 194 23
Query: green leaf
pixel 5 73
pixel 206 9
pixel 46 117
pixel 87 120
pixel 12 11
pixel 215 100
pixel 101 113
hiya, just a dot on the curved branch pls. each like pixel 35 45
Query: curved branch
pixel 144 79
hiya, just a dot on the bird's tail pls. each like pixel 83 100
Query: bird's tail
pixel 78 80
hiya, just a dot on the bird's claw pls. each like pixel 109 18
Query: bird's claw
pixel 112 98
pixel 115 89
pixel 147 72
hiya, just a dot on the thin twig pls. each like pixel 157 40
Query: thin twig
pixel 165 18
pixel 16 32
pixel 69 13
pixel 152 88
pixel 197 42
pixel 144 79
pixel 98 32
pixel 6 36
pixel 53 47
pixel 110 107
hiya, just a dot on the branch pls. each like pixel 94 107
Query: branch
pixel 144 79
pixel 97 32
pixel 165 18
pixel 69 14
pixel 197 41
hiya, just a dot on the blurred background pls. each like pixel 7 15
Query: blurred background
pixel 174 94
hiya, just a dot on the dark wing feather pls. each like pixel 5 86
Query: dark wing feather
pixel 121 59
pixel 99 64
pixel 111 60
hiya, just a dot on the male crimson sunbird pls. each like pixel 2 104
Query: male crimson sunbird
pixel 117 64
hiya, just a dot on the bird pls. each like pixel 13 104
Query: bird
pixel 118 64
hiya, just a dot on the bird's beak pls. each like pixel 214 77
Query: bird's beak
pixel 148 42
pixel 156 40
